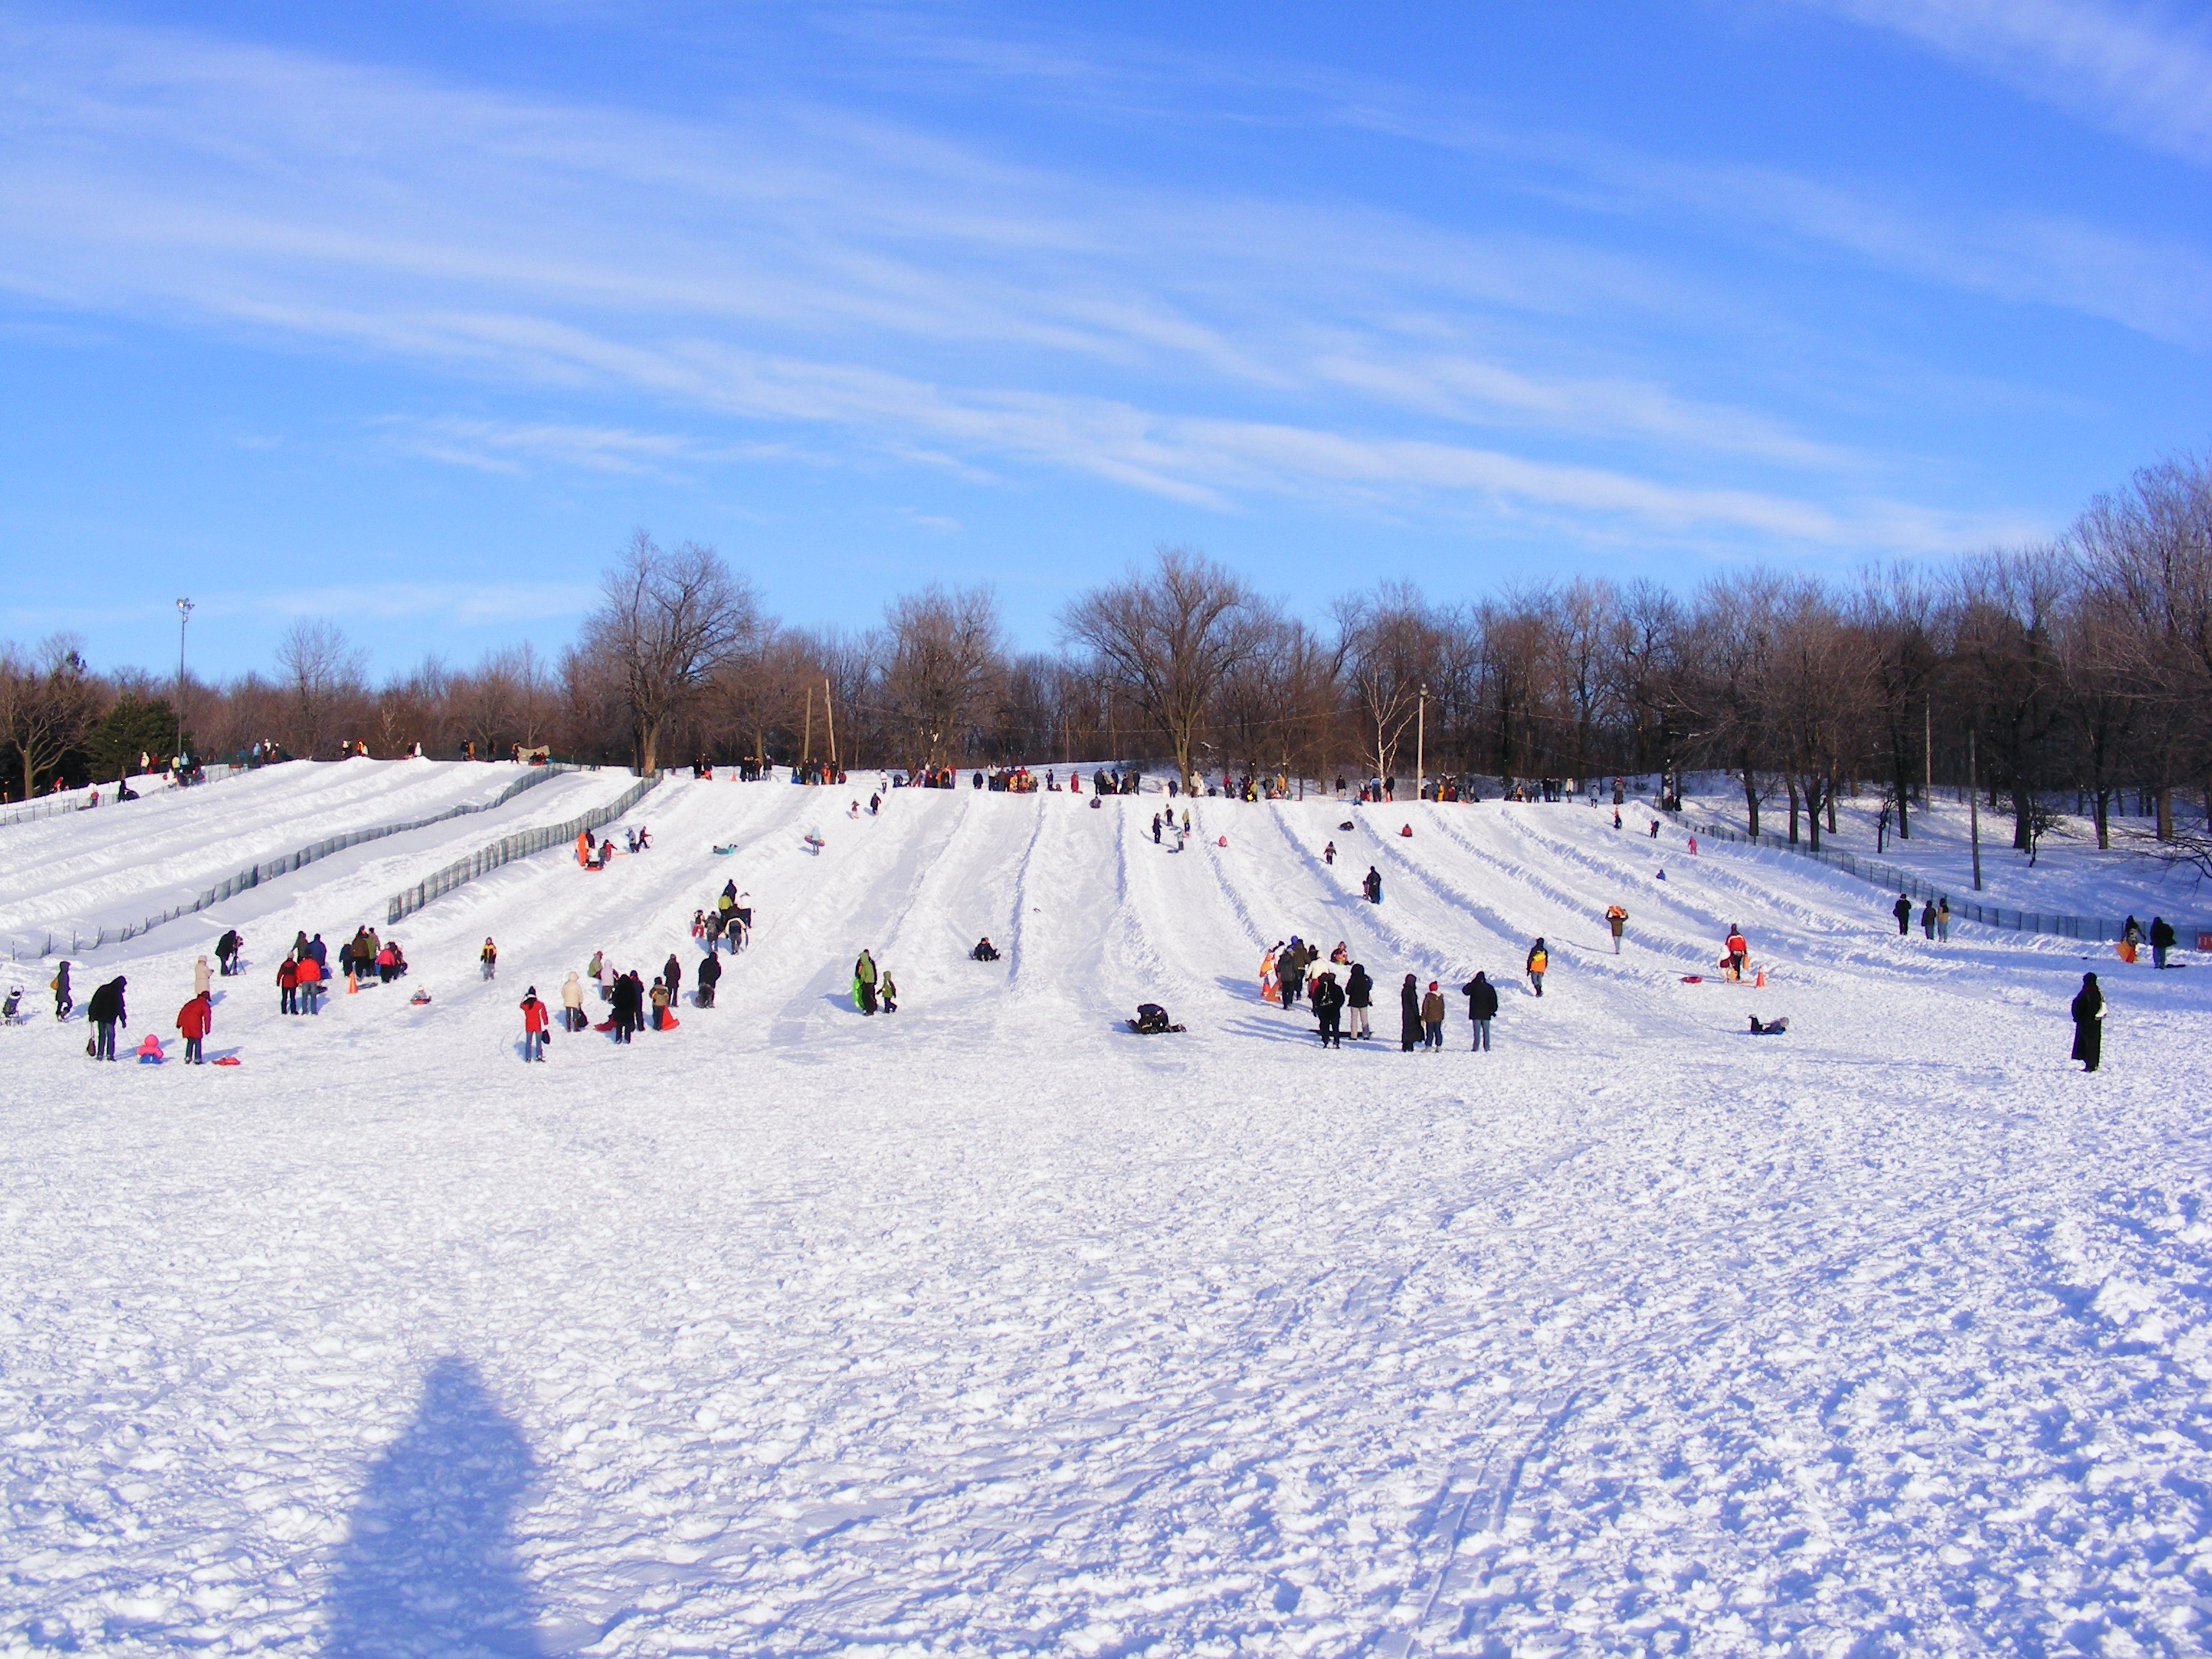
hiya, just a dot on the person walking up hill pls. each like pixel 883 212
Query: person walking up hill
pixel 1328 999
pixel 1903 911
pixel 2088 1012
pixel 1617 919
pixel 489 958
pixel 59 985
pixel 1481 1008
pixel 535 1019
pixel 864 983
pixel 1359 996
pixel 1540 960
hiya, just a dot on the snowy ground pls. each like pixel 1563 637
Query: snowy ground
pixel 988 1327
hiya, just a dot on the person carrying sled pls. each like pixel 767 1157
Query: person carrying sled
pixel 659 998
pixel 864 983
pixel 1903 911
pixel 59 985
pixel 195 1020
pixel 1433 1019
pixel 105 1011
pixel 1409 1015
pixel 1481 1008
pixel 2088 1012
pixel 1540 959
pixel 1738 950
pixel 1617 919
pixel 535 1019
pixel 1328 999
pixel 1359 995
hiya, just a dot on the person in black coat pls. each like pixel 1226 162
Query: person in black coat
pixel 626 1000
pixel 2088 1023
pixel 672 977
pixel 1410 1031
pixel 1903 911
pixel 1328 999
pixel 64 1000
pixel 2162 940
pixel 105 1011
pixel 1481 1008
pixel 710 976
pixel 1373 885
pixel 1359 995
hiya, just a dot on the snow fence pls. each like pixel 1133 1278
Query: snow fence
pixel 1895 880
pixel 284 865
pixel 462 871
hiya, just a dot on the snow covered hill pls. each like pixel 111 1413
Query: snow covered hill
pixel 990 1328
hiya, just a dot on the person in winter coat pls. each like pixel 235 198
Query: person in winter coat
pixel 1739 951
pixel 201 977
pixel 226 951
pixel 105 1011
pixel 1328 999
pixel 659 998
pixel 321 953
pixel 572 1002
pixel 887 993
pixel 310 977
pixel 59 985
pixel 710 976
pixel 1617 919
pixel 984 951
pixel 1433 1019
pixel 287 987
pixel 2088 1011
pixel 1943 920
pixel 1540 959
pixel 1358 994
pixel 535 1019
pixel 488 957
pixel 2162 940
pixel 1156 829
pixel 387 962
pixel 195 1020
pixel 623 994
pixel 672 977
pixel 1329 855
pixel 1903 911
pixel 1409 1014
pixel 864 982
pixel 595 971
pixel 1481 1008
pixel 1928 921
pixel 1373 885
pixel 1291 971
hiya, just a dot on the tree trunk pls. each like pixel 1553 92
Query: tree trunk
pixel 2103 799
pixel 1789 782
pixel 1816 789
pixel 2022 808
pixel 2166 812
pixel 1750 797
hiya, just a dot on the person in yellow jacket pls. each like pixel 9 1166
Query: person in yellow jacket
pixel 1616 918
pixel 489 958
pixel 1540 958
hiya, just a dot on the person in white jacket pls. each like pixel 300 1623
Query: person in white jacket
pixel 572 1001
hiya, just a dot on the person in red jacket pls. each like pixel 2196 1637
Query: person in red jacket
pixel 535 1019
pixel 287 986
pixel 1738 948
pixel 195 1019
pixel 309 974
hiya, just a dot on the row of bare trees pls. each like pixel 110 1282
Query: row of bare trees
pixel 2084 666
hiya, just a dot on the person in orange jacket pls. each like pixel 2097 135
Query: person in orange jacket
pixel 1616 918
pixel 535 1019
pixel 1540 960
pixel 195 1019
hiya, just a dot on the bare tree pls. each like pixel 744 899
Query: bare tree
pixel 944 656
pixel 666 620
pixel 1168 638
pixel 1392 647
pixel 48 702
pixel 321 671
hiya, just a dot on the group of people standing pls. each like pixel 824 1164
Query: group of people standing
pixel 1287 973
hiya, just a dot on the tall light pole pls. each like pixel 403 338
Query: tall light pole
pixel 1421 741
pixel 184 617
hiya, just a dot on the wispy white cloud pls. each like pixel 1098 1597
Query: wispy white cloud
pixel 801 270
pixel 2136 71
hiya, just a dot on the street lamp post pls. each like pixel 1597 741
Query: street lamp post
pixel 1420 740
pixel 184 617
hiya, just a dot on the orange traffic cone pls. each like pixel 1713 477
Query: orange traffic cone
pixel 1760 984
pixel 352 989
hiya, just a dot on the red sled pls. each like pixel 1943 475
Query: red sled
pixel 1693 978
pixel 227 1060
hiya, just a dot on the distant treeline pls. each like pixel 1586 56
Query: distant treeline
pixel 2082 666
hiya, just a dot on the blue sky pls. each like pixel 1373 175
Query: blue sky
pixel 406 316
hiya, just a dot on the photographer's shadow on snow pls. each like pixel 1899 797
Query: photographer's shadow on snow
pixel 426 1567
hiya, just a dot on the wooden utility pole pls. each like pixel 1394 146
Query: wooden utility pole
pixel 1974 809
pixel 829 715
pixel 806 742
